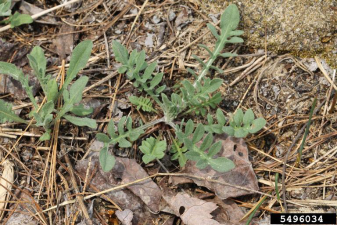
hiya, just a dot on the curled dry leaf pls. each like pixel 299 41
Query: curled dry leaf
pixel 192 211
pixel 242 175
pixel 6 181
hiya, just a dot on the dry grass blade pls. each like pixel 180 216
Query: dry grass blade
pixel 6 185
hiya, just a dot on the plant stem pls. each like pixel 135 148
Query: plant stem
pixel 216 52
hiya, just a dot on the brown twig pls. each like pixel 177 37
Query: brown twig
pixel 75 186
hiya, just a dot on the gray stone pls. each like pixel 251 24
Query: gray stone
pixel 305 28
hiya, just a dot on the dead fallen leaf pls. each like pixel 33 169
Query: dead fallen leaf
pixel 6 50
pixel 125 216
pixel 242 175
pixel 24 213
pixel 228 212
pixel 134 197
pixel 14 87
pixel 64 44
pixel 31 9
pixel 192 211
pixel 183 17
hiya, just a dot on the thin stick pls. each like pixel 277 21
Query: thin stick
pixel 165 174
pixel 37 15
pixel 75 186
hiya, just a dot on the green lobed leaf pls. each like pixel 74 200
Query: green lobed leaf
pixel 45 136
pixel 222 164
pixel 5 8
pixel 217 69
pixel 220 117
pixel 202 164
pixel 123 143
pixel 228 54
pixel 214 149
pixel 230 19
pixel 18 19
pixel 52 90
pixel 160 89
pixel 248 117
pixel 240 132
pixel 191 72
pixel 207 49
pixel 103 138
pixel 73 96
pixel 236 32
pixel 188 86
pixel 238 117
pixel 11 70
pixel 111 127
pixel 178 153
pixel 228 130
pixel 192 155
pixel 152 149
pixel 257 125
pixel 198 133
pixel 121 53
pixel 214 85
pixel 142 103
pixel 7 114
pixel 81 121
pixel 156 80
pixel 235 40
pixel 38 63
pixel 106 160
pixel 78 61
pixel 120 125
pixel 206 143
pixel 17 74
pixel 213 31
pixel 199 60
pixel 75 92
pixel 82 110
pixel 140 61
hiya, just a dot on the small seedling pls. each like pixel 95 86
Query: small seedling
pixel 242 124
pixel 47 115
pixel 14 20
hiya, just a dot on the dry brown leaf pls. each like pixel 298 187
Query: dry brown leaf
pixel 228 213
pixel 242 175
pixel 31 9
pixel 183 17
pixel 64 44
pixel 134 197
pixel 6 185
pixel 125 216
pixel 192 211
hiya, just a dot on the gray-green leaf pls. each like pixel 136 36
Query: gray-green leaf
pixel 6 113
pixel 18 19
pixel 257 125
pixel 81 110
pixel 106 160
pixel 81 121
pixel 78 61
pixel 222 164
pixel 152 149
